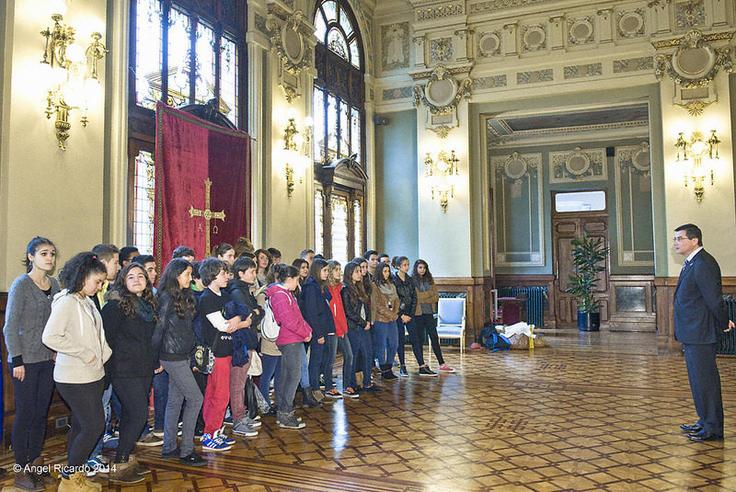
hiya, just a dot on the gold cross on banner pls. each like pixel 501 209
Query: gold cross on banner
pixel 207 214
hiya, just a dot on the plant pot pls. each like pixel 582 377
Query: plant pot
pixel 595 322
pixel 583 321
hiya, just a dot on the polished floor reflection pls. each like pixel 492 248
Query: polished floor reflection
pixel 590 412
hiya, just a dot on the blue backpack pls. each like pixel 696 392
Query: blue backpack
pixel 492 340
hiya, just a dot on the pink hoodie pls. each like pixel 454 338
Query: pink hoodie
pixel 287 314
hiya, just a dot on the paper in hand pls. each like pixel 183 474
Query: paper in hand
pixel 218 321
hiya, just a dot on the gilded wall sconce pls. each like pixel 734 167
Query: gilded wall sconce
pixel 694 150
pixel 441 173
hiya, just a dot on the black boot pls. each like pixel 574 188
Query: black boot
pixel 309 399
pixel 387 372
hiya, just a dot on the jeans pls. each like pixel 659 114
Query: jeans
pixel 361 346
pixel 217 395
pixel 328 360
pixel 106 396
pixel 133 394
pixel 304 369
pixel 318 352
pixel 160 395
pixel 427 323
pixel 271 369
pixel 348 369
pixel 183 390
pixel 32 399
pixel 385 340
pixel 291 356
pixel 88 418
pixel 400 341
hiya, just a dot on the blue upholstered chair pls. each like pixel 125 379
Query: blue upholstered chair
pixel 451 320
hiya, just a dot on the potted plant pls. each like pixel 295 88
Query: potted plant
pixel 588 257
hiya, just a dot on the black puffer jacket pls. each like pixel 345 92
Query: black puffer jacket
pixel 173 338
pixel 352 306
pixel 240 293
pixel 407 295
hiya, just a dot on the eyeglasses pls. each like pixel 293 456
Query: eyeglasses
pixel 677 239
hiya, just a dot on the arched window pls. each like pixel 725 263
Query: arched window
pixel 339 135
pixel 181 52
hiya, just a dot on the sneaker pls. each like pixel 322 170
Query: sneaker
pixel 254 422
pixel 334 394
pixel 219 434
pixel 158 432
pixel 403 372
pixel 109 437
pixel 322 382
pixel 446 368
pixel 228 420
pixel 241 428
pixel 150 441
pixel 198 434
pixel 426 371
pixel 372 389
pixel 193 460
pixel 350 393
pixel 214 445
pixel 290 421
pixel 171 455
pixel 97 465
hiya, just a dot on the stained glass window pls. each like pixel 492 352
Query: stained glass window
pixel 179 67
pixel 331 127
pixel 144 202
pixel 355 132
pixel 229 80
pixel 344 131
pixel 338 111
pixel 340 228
pixel 148 53
pixel 358 224
pixel 319 218
pixel 204 86
pixel 319 125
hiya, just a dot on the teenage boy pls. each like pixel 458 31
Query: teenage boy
pixel 127 253
pixel 184 252
pixel 275 256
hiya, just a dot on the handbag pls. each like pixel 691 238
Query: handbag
pixel 256 366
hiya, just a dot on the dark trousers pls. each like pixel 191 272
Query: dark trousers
pixel 361 344
pixel 160 397
pixel 401 333
pixel 328 360
pixel 271 370
pixel 317 354
pixel 426 324
pixel 201 380
pixel 133 394
pixel 32 399
pixel 705 385
pixel 417 344
pixel 88 418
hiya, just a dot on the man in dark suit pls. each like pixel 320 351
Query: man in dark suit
pixel 700 315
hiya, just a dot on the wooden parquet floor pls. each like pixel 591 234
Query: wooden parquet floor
pixel 590 412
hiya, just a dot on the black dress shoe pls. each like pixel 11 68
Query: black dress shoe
pixel 703 436
pixel 691 428
pixel 193 459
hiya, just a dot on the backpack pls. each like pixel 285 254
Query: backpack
pixel 269 327
pixel 494 341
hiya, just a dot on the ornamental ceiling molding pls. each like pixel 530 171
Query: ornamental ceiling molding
pixel 493 5
pixel 289 41
pixel 695 61
pixel 441 95
pixel 439 12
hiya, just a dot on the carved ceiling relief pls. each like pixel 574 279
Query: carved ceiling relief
pixel 533 38
pixel 441 50
pixel 489 44
pixel 689 14
pixel 581 31
pixel 630 23
pixel 692 62
pixel 289 37
pixel 441 95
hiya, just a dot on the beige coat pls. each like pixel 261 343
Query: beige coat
pixel 432 296
pixel 379 305
pixel 74 331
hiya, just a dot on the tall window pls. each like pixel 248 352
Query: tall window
pixel 339 120
pixel 181 52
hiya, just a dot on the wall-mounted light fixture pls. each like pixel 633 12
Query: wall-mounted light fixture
pixel 71 70
pixel 296 151
pixel 440 174
pixel 695 149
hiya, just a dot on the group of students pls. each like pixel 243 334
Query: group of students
pixel 106 336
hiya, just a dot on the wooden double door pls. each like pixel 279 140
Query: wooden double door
pixel 566 227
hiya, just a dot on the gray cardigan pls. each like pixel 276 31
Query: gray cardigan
pixel 26 314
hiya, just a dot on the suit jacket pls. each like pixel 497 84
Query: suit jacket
pixel 700 313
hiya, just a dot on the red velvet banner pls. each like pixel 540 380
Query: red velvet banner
pixel 202 184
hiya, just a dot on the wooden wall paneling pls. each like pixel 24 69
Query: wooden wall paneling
pixel 478 300
pixel 641 290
